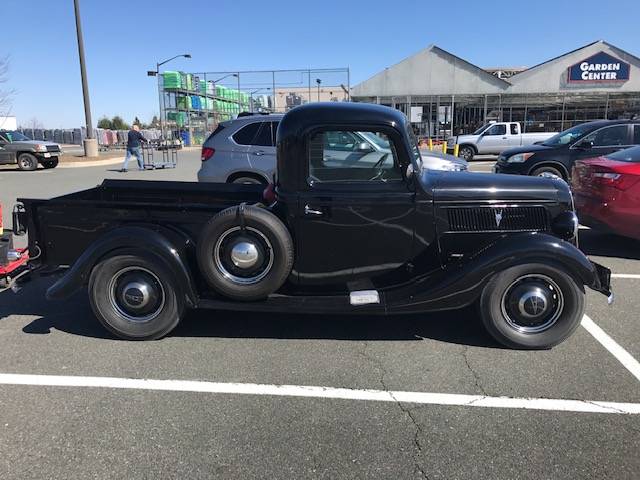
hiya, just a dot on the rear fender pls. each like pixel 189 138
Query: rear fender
pixel 167 246
pixel 460 284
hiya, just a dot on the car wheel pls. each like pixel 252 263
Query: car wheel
pixel 532 306
pixel 246 180
pixel 53 163
pixel 27 162
pixel 466 152
pixel 548 172
pixel 135 297
pixel 245 255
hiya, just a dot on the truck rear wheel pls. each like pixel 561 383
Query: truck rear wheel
pixel 532 306
pixel 135 297
pixel 27 162
pixel 245 253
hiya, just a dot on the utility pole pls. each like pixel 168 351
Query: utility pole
pixel 90 143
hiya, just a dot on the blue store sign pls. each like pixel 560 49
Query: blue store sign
pixel 599 68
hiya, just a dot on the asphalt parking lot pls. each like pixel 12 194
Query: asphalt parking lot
pixel 429 396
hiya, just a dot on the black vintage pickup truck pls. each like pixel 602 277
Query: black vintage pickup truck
pixel 362 234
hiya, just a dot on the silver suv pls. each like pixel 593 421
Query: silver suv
pixel 244 151
pixel 241 151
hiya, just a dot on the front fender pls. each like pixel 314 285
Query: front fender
pixel 460 284
pixel 167 246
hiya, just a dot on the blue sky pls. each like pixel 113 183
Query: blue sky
pixel 124 39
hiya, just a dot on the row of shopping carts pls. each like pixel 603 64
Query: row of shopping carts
pixel 160 154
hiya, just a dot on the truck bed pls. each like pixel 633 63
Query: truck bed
pixel 63 227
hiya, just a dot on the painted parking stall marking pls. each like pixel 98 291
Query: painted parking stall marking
pixel 625 275
pixel 424 398
pixel 612 346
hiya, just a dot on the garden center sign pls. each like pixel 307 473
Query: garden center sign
pixel 599 68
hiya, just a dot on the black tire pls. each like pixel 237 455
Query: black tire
pixel 27 162
pixel 249 180
pixel 53 163
pixel 502 318
pixel 466 152
pixel 109 292
pixel 268 264
pixel 539 172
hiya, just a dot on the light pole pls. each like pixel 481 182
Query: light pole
pixel 318 81
pixel 156 73
pixel 90 143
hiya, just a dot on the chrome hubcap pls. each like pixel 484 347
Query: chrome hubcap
pixel 532 303
pixel 243 256
pixel 136 294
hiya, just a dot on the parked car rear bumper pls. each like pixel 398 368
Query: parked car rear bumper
pixel 606 216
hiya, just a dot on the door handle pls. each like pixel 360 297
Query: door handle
pixel 504 138
pixel 312 211
pixel 258 153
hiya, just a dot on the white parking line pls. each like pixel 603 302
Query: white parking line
pixel 614 348
pixel 550 404
pixel 624 275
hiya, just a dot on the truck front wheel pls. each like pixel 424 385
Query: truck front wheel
pixel 466 152
pixel 53 163
pixel 27 162
pixel 135 297
pixel 532 306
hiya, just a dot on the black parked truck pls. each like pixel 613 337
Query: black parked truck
pixel 365 235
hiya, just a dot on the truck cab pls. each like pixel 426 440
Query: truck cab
pixel 373 233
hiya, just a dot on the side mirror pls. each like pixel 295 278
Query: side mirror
pixel 364 147
pixel 585 145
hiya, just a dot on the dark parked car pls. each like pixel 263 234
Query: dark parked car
pixel 607 192
pixel 27 153
pixel 557 155
pixel 331 237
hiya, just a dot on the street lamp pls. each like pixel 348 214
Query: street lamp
pixel 90 143
pixel 156 73
pixel 318 81
pixel 227 75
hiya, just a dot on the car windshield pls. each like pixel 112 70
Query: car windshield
pixel 375 139
pixel 627 155
pixel 482 129
pixel 14 136
pixel 568 136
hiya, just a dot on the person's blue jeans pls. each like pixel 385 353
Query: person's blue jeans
pixel 137 152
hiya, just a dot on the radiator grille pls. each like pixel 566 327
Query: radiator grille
pixel 528 219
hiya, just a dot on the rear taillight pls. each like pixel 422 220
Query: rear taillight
pixel 207 153
pixel 616 180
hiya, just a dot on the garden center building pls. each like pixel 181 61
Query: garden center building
pixel 444 94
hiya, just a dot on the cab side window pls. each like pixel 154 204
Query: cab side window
pixel 497 130
pixel 350 156
pixel 609 136
pixel 636 134
pixel 514 129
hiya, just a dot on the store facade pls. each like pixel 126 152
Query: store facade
pixel 443 94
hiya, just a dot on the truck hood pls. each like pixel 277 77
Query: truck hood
pixel 483 188
pixel 34 142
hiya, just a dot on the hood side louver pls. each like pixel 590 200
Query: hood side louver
pixel 495 218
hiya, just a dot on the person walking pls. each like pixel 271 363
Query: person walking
pixel 134 147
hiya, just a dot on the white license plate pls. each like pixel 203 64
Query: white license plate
pixel 47 155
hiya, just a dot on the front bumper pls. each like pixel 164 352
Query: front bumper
pixel 510 168
pixel 602 281
pixel 47 155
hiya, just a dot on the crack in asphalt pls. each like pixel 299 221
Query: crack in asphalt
pixel 476 377
pixel 407 411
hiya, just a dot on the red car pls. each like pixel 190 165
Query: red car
pixel 607 192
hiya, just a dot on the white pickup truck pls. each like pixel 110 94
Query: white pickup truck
pixel 494 138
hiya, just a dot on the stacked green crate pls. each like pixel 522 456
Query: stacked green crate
pixel 179 117
pixel 184 102
pixel 171 80
pixel 187 81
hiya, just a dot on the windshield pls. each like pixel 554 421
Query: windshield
pixel 568 136
pixel 14 136
pixel 482 129
pixel 375 139
pixel 627 155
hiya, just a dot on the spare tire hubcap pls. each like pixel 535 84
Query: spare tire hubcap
pixel 244 255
